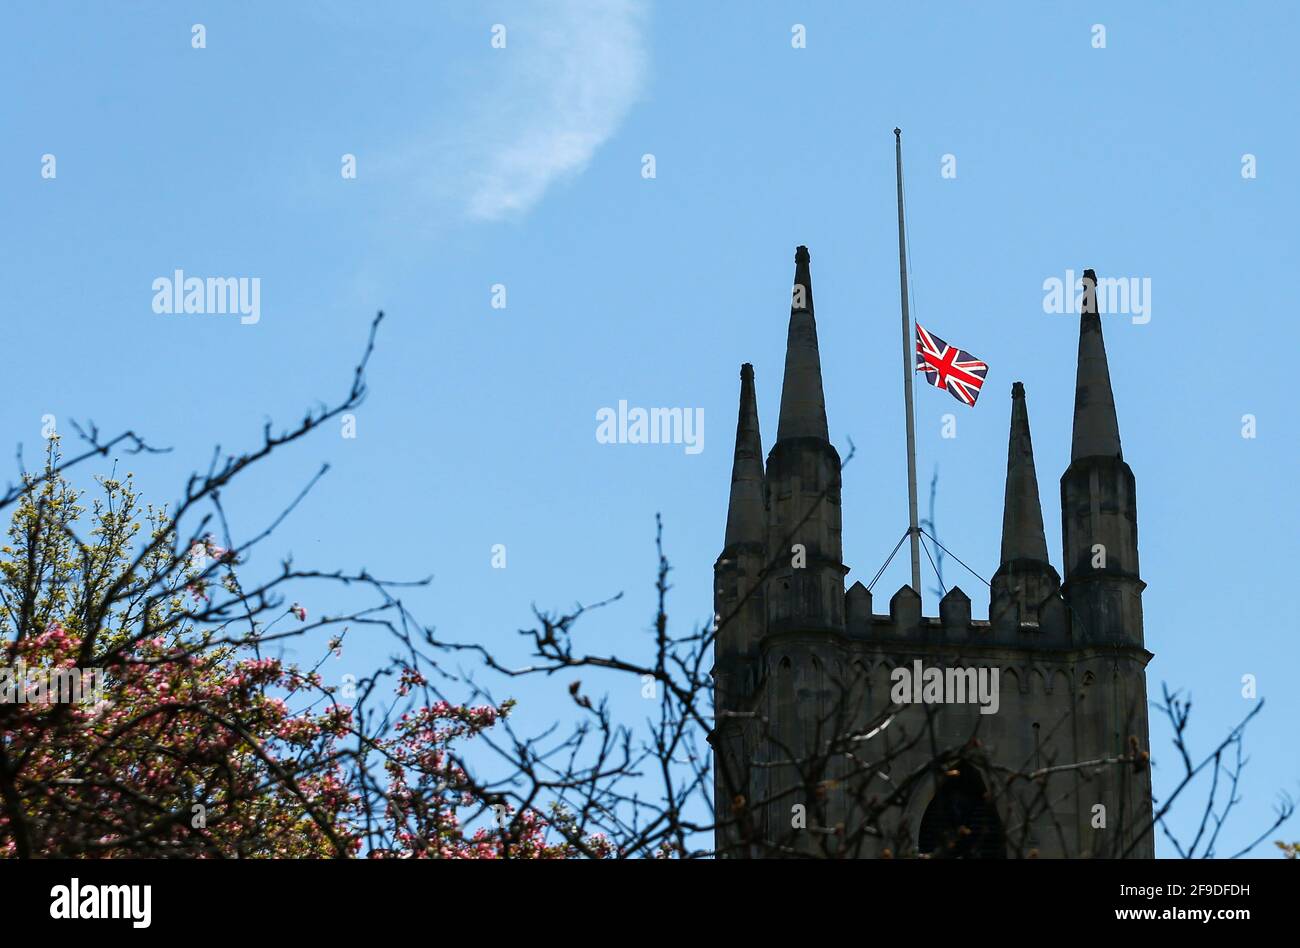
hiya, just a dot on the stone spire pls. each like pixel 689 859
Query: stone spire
pixel 1103 586
pixel 740 615
pixel 1022 514
pixel 746 518
pixel 804 519
pixel 803 405
pixel 1099 503
pixel 1025 586
pixel 1096 428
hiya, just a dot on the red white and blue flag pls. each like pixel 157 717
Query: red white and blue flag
pixel 948 367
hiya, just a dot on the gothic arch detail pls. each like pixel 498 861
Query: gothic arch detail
pixel 961 821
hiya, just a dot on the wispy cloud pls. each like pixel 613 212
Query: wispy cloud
pixel 570 72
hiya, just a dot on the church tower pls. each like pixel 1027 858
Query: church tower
pixel 818 752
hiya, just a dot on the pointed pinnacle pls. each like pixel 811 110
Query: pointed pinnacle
pixel 746 518
pixel 1096 427
pixel 803 404
pixel 1022 514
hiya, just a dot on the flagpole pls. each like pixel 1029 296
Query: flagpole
pixel 909 366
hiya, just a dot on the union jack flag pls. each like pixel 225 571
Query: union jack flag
pixel 948 367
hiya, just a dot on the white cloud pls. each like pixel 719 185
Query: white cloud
pixel 572 70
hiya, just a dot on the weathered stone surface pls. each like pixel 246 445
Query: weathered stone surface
pixel 808 659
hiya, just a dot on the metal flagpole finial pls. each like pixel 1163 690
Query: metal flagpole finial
pixel 898 133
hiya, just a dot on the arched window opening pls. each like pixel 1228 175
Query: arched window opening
pixel 961 821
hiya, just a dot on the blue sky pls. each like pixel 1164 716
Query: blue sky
pixel 523 167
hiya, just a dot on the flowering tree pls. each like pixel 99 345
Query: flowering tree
pixel 193 743
pixel 189 739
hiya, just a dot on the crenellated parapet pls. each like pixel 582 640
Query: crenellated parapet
pixel 904 622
